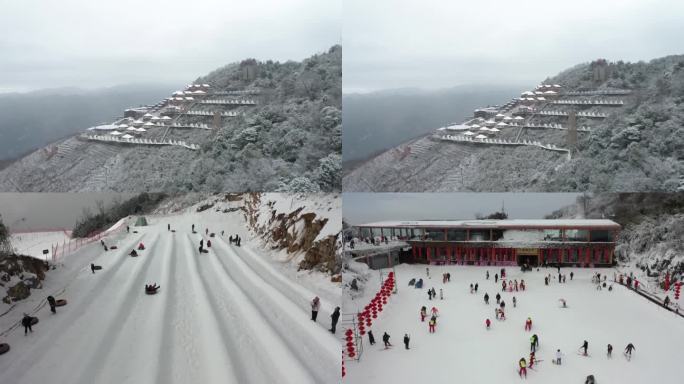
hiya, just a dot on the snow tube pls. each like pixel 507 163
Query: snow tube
pixel 151 291
pixel 212 235
pixel 113 247
pixel 97 267
pixel 4 348
pixel 412 282
pixel 34 320
pixel 60 303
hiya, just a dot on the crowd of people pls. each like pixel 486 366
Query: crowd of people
pixel 510 285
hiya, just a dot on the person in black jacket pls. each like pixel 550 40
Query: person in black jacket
pixel 26 322
pixel 385 339
pixel 51 301
pixel 407 339
pixel 371 338
pixel 335 316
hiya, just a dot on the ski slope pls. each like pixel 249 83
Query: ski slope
pixel 462 350
pixel 227 316
pixel 33 243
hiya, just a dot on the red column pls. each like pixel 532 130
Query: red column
pixel 413 249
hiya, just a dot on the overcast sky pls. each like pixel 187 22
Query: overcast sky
pixel 438 44
pixel 46 44
pixel 359 208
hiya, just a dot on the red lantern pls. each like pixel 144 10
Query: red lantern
pixel 362 332
pixel 349 332
pixel 375 315
pixel 351 354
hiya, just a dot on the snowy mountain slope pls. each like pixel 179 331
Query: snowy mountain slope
pixel 463 350
pixel 219 317
pixel 297 109
pixel 636 147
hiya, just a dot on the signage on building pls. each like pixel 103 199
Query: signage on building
pixel 527 251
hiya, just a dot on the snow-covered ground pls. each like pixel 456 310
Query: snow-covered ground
pixel 33 243
pixel 229 316
pixel 462 350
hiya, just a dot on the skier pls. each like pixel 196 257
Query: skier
pixel 201 242
pixel 496 278
pixel 230 239
pixel 559 355
pixel 51 301
pixel 385 339
pixel 26 322
pixel 434 312
pixel 371 338
pixel 441 294
pixel 532 359
pixel 423 314
pixel 476 287
pixel 515 301
pixel 429 294
pixel 528 324
pixel 610 351
pixel 486 298
pixel 315 306
pixel 432 324
pixel 335 316
pixel 92 267
pixel 533 344
pixel 193 228
pixel 498 298
pixel 128 229
pixel 487 275
pixel 406 340
pixel 488 323
pixel 572 274
pixel 168 227
pixel 585 346
pixel 628 350
pixel 523 370
pixel 206 231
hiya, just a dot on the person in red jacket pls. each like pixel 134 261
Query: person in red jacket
pixel 528 325
pixel 488 323
pixel 423 314
pixel 432 324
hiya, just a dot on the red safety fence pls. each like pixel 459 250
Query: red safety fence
pixel 73 245
pixel 369 314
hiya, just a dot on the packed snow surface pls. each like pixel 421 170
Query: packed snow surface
pixel 33 243
pixel 463 350
pixel 227 316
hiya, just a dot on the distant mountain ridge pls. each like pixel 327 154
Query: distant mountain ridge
pixel 630 119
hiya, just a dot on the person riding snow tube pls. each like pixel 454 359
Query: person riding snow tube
pixel 133 253
pixel 141 247
pixel 151 289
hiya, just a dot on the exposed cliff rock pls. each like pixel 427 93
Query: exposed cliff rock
pixel 306 230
